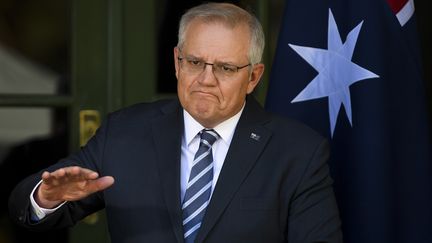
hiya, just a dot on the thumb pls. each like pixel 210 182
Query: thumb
pixel 102 183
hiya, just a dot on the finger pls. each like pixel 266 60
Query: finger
pixel 74 170
pixel 92 186
pixel 73 173
pixel 46 177
pixel 53 178
pixel 77 173
pixel 58 177
pixel 88 174
pixel 62 175
pixel 100 184
pixel 57 174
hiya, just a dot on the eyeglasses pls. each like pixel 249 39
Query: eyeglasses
pixel 222 71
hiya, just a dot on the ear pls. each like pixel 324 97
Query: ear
pixel 255 77
pixel 176 64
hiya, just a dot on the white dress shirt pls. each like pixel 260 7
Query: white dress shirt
pixel 189 146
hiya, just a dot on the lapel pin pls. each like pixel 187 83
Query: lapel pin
pixel 255 137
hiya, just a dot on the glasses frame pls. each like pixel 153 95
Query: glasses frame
pixel 212 64
pixel 237 68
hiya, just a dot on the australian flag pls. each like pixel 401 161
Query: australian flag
pixel 351 70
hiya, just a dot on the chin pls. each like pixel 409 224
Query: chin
pixel 203 105
pixel 202 111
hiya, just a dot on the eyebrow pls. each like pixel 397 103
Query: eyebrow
pixel 192 57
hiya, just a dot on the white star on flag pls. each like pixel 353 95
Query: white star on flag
pixel 336 71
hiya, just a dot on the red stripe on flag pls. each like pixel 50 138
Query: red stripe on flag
pixel 396 5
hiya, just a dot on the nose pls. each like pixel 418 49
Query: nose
pixel 207 77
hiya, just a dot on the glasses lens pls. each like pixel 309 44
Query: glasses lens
pixel 192 66
pixel 222 71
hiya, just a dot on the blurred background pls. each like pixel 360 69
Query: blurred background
pixel 64 64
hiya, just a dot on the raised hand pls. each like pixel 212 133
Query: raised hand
pixel 69 184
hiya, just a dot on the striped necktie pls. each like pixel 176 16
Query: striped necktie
pixel 198 189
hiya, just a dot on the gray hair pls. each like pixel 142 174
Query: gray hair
pixel 229 15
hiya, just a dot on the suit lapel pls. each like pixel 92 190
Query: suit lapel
pixel 247 144
pixel 167 132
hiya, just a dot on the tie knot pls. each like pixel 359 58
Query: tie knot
pixel 209 135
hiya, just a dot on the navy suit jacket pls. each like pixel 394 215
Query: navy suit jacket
pixel 274 185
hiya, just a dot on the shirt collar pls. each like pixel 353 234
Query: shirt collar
pixel 224 129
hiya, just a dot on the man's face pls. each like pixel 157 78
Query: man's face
pixel 211 100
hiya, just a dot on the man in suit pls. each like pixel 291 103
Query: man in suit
pixel 210 166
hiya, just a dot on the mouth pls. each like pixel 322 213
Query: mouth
pixel 199 92
pixel 205 95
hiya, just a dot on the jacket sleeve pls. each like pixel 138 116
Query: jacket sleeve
pixel 90 156
pixel 313 215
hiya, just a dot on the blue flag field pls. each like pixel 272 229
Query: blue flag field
pixel 351 70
